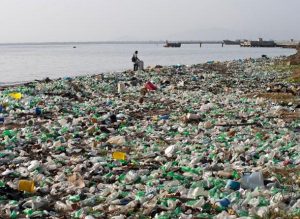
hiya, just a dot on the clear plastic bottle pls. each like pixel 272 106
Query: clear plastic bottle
pixel 252 181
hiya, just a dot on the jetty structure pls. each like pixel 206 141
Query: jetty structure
pixel 231 42
pixel 179 43
pixel 243 43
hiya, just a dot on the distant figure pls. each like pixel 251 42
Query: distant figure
pixel 137 63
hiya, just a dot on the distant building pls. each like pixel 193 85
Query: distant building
pixel 259 43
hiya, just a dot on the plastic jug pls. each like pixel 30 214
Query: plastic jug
pixel 119 155
pixel 252 181
pixel 26 186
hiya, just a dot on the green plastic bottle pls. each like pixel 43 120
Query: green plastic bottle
pixel 13 215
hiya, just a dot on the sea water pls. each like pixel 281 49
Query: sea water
pixel 21 62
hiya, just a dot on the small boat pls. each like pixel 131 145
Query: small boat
pixel 74 47
pixel 172 44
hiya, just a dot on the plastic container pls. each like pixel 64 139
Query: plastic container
pixel 141 65
pixel 26 186
pixel 234 185
pixel 150 86
pixel 164 117
pixel 119 155
pixel 121 88
pixel 33 165
pixel 191 116
pixel 38 111
pixel 16 96
pixel 224 202
pixel 252 180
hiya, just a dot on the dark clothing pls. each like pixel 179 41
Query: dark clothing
pixel 135 66
pixel 135 62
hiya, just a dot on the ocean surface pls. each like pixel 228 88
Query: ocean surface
pixel 21 63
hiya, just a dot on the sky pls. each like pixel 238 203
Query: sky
pixel 119 20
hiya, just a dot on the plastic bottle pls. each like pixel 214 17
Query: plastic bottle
pixel 1 116
pixel 61 207
pixel 224 202
pixel 33 165
pixel 13 215
pixel 252 181
pixel 234 185
pixel 38 111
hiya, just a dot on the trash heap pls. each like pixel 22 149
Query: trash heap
pixel 197 141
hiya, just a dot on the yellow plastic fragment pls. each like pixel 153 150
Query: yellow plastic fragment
pixel 16 96
pixel 119 155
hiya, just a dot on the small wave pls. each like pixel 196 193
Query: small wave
pixel 5 84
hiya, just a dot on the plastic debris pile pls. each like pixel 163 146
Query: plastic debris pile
pixel 169 142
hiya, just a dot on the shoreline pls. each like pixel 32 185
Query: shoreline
pixel 14 84
pixel 295 59
pixel 5 85
pixel 184 142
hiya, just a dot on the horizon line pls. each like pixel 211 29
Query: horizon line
pixel 112 42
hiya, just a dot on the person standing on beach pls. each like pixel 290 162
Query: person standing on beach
pixel 135 61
